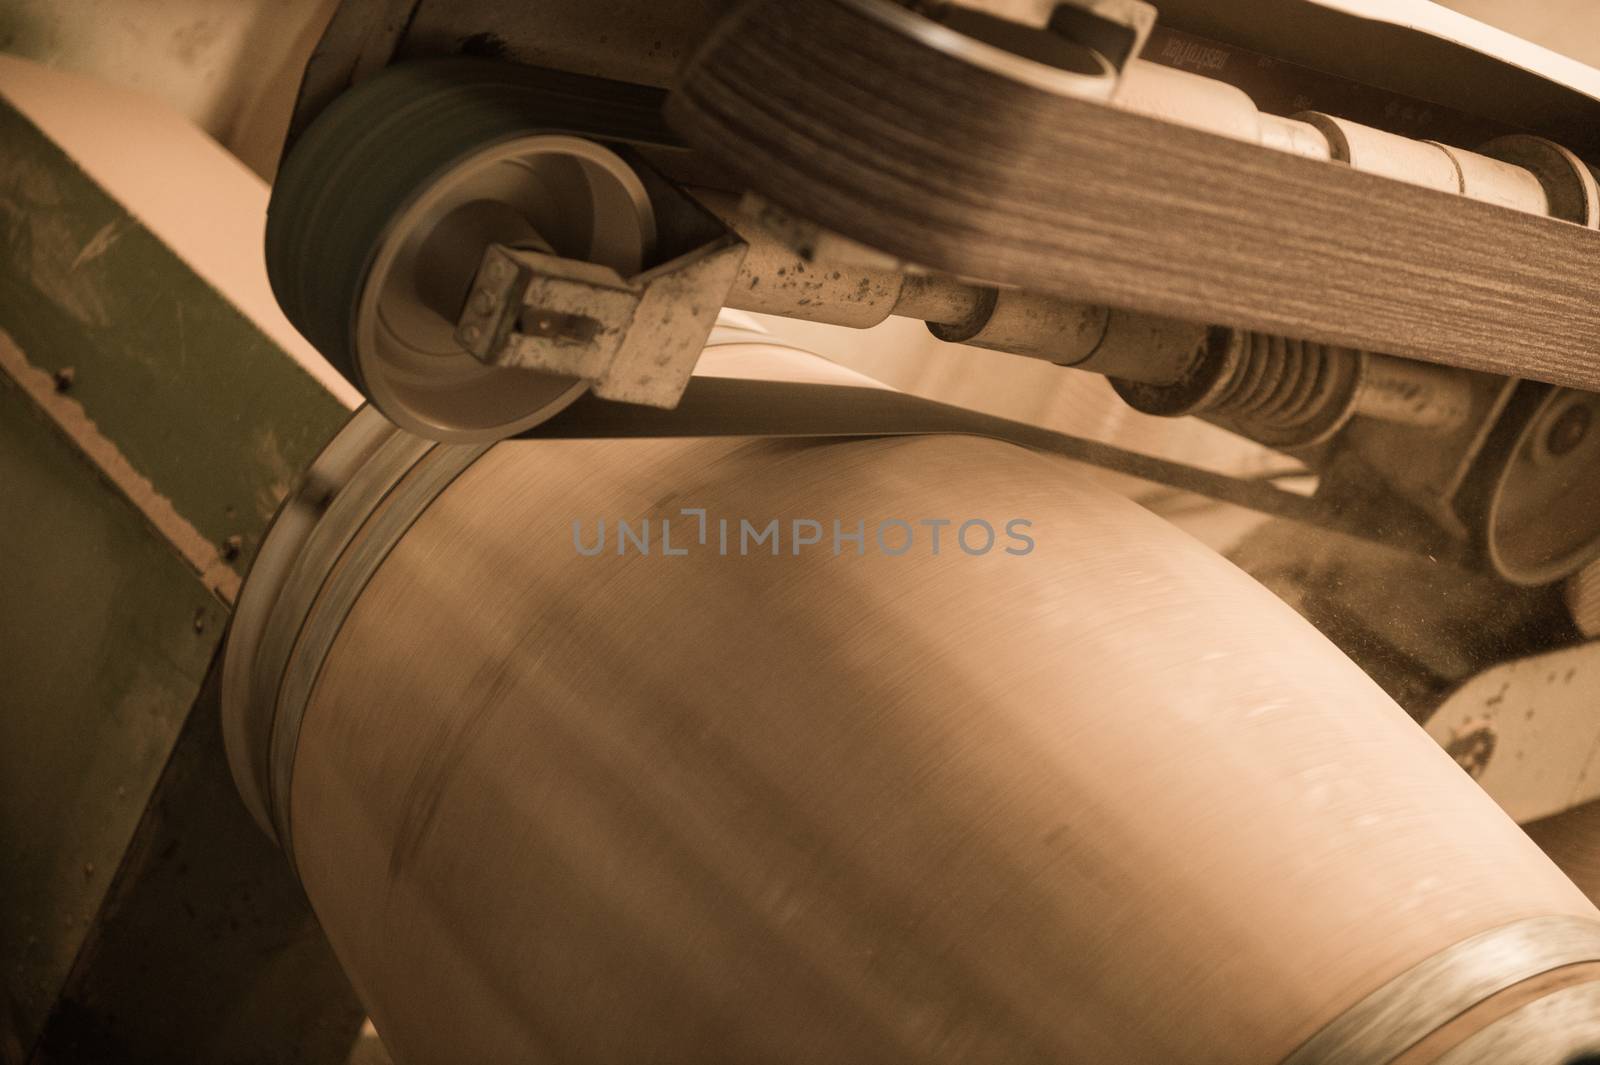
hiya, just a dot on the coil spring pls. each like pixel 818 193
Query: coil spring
pixel 1282 384
pixel 1281 392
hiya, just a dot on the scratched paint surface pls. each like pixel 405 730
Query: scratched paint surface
pixel 181 427
pixel 105 635
pixel 194 397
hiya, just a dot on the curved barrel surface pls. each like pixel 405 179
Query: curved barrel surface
pixel 1106 801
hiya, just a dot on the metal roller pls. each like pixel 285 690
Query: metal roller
pixel 1101 800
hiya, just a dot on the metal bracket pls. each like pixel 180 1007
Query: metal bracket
pixel 1435 465
pixel 635 339
pixel 538 311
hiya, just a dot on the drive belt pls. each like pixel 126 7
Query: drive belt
pixel 720 406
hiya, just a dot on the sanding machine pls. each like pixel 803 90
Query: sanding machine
pixel 605 682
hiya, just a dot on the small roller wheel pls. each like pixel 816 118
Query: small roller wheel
pixel 382 212
pixel 1533 499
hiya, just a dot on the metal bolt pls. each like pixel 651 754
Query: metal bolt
pixel 200 620
pixel 471 333
pixel 64 378
pixel 483 301
pixel 232 546
pixel 497 270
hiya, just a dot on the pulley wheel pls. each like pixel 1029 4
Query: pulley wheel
pixel 383 210
pixel 1540 509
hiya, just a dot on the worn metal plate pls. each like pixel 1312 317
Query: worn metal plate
pixel 105 635
pixel 1530 730
pixel 149 424
pixel 191 393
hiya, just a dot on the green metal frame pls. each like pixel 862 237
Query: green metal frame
pixel 108 627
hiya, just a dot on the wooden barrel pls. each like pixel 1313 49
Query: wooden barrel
pixel 1077 792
